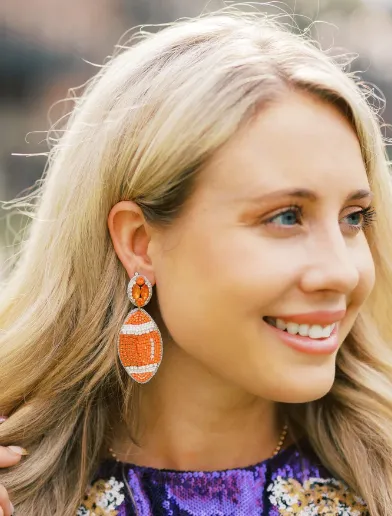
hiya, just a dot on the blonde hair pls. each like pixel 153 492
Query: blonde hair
pixel 144 126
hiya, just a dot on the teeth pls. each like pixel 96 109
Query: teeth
pixel 314 331
pixel 292 328
pixel 327 331
pixel 304 330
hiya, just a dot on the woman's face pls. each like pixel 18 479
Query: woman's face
pixel 272 237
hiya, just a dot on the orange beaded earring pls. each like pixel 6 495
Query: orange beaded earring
pixel 140 344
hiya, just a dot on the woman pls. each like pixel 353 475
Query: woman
pixel 236 168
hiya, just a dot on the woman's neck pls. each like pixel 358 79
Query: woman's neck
pixel 190 419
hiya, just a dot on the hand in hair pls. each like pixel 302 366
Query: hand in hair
pixel 9 456
pixel 6 507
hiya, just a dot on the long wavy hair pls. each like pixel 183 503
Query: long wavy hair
pixel 142 129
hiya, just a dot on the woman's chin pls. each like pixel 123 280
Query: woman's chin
pixel 303 386
pixel 304 395
pixel 305 389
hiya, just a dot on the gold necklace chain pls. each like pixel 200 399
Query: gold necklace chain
pixel 282 438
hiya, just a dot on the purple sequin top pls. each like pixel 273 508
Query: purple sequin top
pixel 292 482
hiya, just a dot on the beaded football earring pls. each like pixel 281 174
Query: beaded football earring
pixel 140 344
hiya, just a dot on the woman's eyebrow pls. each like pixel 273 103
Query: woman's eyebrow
pixel 360 194
pixel 304 193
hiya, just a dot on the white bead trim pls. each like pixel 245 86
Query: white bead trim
pixel 151 368
pixel 138 329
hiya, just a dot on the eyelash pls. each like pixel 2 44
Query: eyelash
pixel 368 216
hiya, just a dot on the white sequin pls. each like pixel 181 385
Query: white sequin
pixel 105 495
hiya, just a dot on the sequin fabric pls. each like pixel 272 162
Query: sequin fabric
pixel 291 483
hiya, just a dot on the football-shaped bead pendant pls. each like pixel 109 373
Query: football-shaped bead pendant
pixel 140 344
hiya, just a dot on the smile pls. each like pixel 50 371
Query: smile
pixel 313 331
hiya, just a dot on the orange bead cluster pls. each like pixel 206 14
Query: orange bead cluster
pixel 136 350
pixel 140 291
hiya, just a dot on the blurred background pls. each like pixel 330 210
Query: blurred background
pixel 47 47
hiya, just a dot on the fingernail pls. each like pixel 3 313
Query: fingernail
pixel 3 418
pixel 18 450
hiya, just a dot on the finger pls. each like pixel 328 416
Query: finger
pixel 11 455
pixel 8 509
pixel 7 512
pixel 5 503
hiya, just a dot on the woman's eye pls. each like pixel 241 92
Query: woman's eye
pixel 354 219
pixel 289 217
pixel 360 219
pixel 293 216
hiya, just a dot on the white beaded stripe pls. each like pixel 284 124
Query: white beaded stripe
pixel 138 329
pixel 152 348
pixel 150 368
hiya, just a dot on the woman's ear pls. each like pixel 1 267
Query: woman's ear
pixel 130 236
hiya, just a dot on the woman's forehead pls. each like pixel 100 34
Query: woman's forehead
pixel 297 143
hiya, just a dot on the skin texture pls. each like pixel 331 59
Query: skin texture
pixel 239 252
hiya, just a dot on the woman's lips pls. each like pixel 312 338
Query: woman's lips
pixel 323 346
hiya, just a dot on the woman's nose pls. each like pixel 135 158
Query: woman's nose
pixel 332 265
